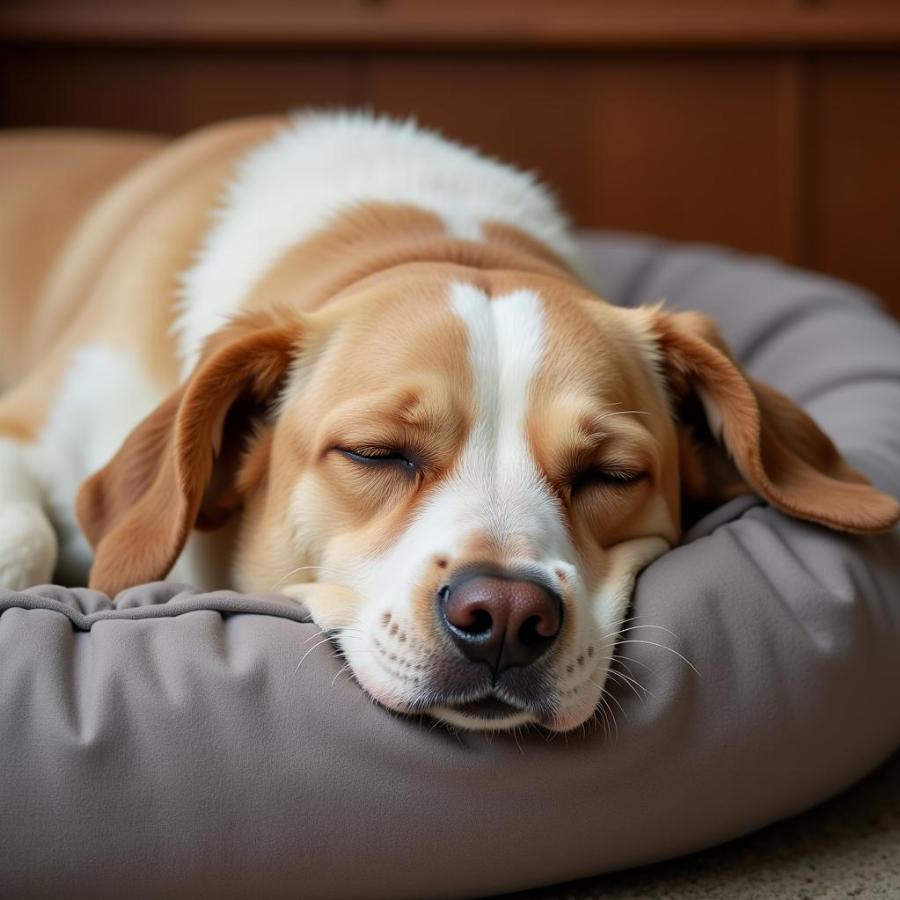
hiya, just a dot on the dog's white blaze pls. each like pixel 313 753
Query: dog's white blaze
pixel 497 473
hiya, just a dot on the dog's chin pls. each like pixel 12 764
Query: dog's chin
pixel 487 714
pixel 494 715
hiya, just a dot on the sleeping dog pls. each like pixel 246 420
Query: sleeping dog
pixel 345 358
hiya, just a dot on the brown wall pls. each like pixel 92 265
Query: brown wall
pixel 770 125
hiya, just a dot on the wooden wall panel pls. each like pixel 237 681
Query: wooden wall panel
pixel 769 125
pixel 700 146
pixel 532 109
pixel 697 146
pixel 167 89
pixel 855 202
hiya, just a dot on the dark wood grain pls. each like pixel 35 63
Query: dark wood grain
pixel 855 221
pixel 565 24
pixel 761 124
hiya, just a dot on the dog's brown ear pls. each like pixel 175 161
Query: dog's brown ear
pixel 774 448
pixel 177 468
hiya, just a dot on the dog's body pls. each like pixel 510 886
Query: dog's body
pixel 378 365
pixel 105 314
pixel 99 229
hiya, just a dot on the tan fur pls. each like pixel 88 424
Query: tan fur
pixel 388 338
pixel 44 204
pixel 139 509
pixel 778 449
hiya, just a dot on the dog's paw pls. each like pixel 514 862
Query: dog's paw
pixel 28 546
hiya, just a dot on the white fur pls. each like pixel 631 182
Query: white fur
pixel 27 540
pixel 27 546
pixel 16 480
pixel 325 163
pixel 498 480
pixel 103 395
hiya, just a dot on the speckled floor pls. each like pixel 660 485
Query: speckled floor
pixel 846 848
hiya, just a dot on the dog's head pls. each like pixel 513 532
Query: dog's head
pixel 479 463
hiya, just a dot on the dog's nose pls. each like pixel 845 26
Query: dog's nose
pixel 500 620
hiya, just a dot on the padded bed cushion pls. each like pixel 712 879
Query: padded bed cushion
pixel 193 745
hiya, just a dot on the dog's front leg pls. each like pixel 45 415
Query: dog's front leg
pixel 28 545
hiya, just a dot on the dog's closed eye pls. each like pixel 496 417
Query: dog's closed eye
pixel 381 457
pixel 605 477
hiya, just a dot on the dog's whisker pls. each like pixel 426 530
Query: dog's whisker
pixel 601 714
pixel 351 629
pixel 612 698
pixel 683 658
pixel 339 672
pixel 621 631
pixel 612 717
pixel 283 579
pixel 621 656
pixel 657 627
pixel 634 686
pixel 313 636
pixel 633 619
pixel 324 640
pixel 625 678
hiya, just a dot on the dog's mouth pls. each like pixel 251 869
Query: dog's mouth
pixel 486 713
pixel 467 697
pixel 489 707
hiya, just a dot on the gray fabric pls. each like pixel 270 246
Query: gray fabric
pixel 199 748
pixel 160 599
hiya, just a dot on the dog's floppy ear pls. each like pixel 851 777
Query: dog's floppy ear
pixel 775 449
pixel 169 475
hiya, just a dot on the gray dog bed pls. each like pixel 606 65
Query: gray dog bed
pixel 184 745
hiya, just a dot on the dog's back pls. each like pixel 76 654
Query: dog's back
pixel 49 180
